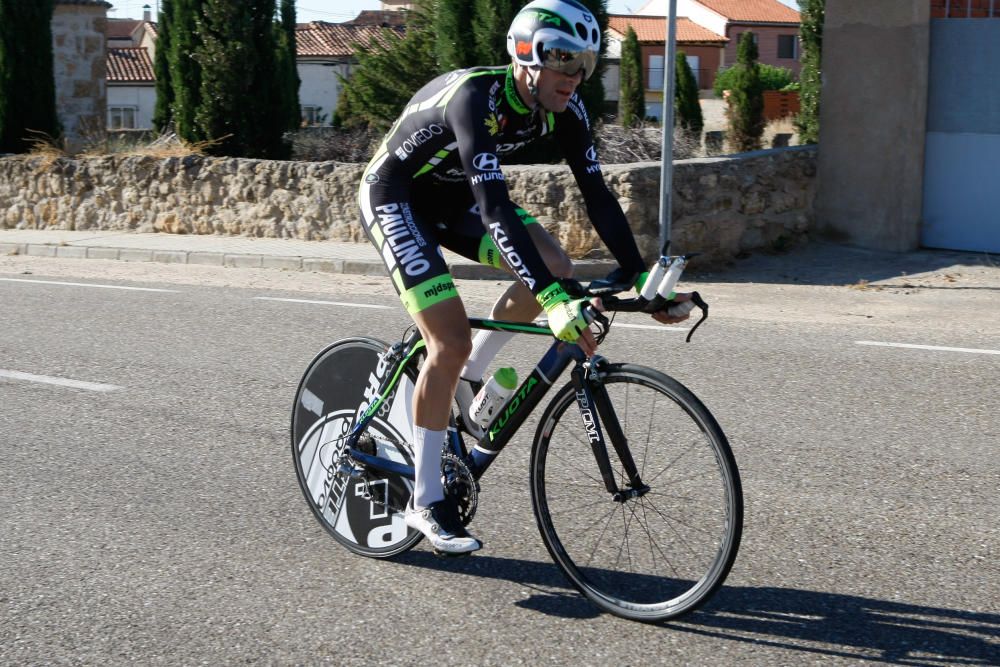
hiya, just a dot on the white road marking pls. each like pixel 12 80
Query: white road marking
pixel 325 303
pixel 53 282
pixel 62 382
pixel 928 347
pixel 657 327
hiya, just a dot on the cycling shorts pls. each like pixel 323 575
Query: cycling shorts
pixel 409 225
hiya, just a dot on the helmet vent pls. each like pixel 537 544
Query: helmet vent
pixel 581 30
pixel 593 36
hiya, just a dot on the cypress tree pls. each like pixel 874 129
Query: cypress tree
pixel 162 113
pixel 632 103
pixel 490 21
pixel 185 71
pixel 686 105
pixel 239 104
pixel 27 83
pixel 746 98
pixel 288 71
pixel 811 42
pixel 454 43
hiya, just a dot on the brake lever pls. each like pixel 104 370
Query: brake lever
pixel 594 316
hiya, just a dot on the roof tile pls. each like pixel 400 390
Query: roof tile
pixel 337 39
pixel 129 65
pixel 654 29
pixel 753 11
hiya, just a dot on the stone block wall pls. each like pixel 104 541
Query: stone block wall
pixel 79 65
pixel 722 206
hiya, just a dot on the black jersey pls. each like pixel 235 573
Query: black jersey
pixel 456 130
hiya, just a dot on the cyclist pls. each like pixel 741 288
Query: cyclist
pixel 436 181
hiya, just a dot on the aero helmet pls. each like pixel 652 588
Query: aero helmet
pixel 562 35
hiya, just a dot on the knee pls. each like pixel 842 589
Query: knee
pixel 450 347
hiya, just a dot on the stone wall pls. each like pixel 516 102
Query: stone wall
pixel 722 206
pixel 79 64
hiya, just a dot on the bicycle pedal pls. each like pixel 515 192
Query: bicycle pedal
pixel 450 554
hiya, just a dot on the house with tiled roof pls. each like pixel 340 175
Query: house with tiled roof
pixel 775 25
pixel 702 47
pixel 131 88
pixel 325 52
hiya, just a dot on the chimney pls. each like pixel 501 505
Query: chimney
pixel 147 15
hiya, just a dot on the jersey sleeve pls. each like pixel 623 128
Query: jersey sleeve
pixel 467 114
pixel 573 135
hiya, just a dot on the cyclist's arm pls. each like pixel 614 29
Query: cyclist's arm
pixel 466 115
pixel 573 135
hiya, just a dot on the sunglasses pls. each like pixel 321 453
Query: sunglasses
pixel 568 59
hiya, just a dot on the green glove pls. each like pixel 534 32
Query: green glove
pixel 566 316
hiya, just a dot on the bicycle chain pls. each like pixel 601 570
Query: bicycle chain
pixel 459 481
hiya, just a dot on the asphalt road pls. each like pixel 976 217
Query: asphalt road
pixel 152 515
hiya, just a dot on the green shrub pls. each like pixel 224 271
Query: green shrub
pixel 771 78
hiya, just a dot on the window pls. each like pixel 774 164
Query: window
pixel 121 118
pixel 311 115
pixel 655 73
pixel 788 46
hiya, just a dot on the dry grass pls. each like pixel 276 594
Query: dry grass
pixel 45 149
pixel 643 143
pixel 167 145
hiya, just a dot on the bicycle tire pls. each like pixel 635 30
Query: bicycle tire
pixel 628 560
pixel 335 388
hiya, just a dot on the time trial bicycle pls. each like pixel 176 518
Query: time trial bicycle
pixel 637 497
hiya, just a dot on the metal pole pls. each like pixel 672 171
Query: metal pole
pixel 667 153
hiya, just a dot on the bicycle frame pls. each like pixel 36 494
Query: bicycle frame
pixel 590 394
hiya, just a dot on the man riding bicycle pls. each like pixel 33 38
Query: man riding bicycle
pixel 436 181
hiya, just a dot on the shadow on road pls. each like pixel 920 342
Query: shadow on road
pixel 812 622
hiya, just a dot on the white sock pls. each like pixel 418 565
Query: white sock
pixel 427 487
pixel 485 346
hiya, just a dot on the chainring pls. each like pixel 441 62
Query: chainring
pixel 460 485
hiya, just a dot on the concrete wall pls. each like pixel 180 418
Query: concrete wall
pixel 872 121
pixel 79 64
pixel 722 206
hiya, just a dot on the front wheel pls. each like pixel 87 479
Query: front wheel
pixel 658 555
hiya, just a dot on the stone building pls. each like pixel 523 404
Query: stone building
pixel 79 62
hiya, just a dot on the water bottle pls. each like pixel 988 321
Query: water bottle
pixel 493 395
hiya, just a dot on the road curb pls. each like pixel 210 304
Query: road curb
pixel 585 269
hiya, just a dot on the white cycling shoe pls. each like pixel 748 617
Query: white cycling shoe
pixel 440 524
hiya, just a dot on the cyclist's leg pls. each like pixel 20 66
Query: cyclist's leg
pixel 467 237
pixel 410 250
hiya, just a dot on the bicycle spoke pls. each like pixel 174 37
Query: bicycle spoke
pixel 670 521
pixel 673 461
pixel 577 467
pixel 655 545
pixel 611 516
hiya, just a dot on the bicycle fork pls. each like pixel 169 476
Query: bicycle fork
pixel 591 394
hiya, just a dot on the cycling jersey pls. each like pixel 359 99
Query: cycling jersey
pixel 436 180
